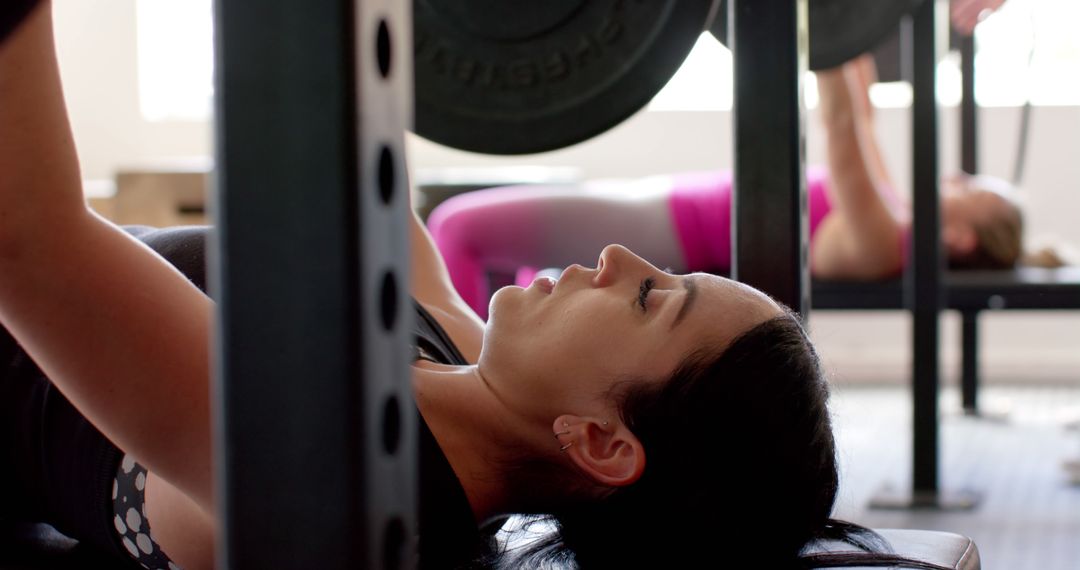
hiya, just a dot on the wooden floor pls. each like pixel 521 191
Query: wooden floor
pixel 1030 515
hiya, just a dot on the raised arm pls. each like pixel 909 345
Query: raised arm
pixel 431 286
pixel 122 334
pixel 861 237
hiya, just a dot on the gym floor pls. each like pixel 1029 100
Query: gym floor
pixel 1029 517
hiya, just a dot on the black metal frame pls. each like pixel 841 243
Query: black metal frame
pixel 969 162
pixel 770 231
pixel 311 378
pixel 924 288
pixel 969 109
pixel 924 276
pixel 969 293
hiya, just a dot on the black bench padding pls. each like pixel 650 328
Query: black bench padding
pixel 942 548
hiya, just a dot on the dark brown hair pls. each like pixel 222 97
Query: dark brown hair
pixel 741 469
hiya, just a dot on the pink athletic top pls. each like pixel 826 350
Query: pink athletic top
pixel 701 211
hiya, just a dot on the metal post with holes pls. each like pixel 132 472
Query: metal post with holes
pixel 315 433
pixel 770 232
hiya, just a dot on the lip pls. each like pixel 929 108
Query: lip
pixel 545 284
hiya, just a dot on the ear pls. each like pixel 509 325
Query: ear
pixel 959 239
pixel 606 451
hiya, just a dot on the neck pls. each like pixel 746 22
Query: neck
pixel 481 439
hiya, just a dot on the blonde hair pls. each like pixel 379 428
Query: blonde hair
pixel 1049 256
pixel 1000 240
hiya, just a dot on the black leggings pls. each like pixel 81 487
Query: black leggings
pixel 56 467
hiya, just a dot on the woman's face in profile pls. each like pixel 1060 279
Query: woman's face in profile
pixel 556 345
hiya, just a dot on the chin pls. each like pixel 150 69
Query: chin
pixel 505 299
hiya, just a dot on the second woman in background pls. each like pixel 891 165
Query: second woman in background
pixel 858 225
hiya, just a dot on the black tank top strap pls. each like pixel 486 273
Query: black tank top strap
pixel 432 342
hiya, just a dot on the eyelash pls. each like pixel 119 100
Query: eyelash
pixel 647 285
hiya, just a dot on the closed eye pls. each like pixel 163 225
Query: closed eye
pixel 647 285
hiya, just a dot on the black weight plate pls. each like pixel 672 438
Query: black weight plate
pixel 524 76
pixel 841 29
pixel 12 14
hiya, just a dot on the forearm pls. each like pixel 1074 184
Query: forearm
pixel 863 237
pixel 124 337
pixel 861 75
pixel 119 332
pixel 39 173
pixel 853 154
pixel 854 186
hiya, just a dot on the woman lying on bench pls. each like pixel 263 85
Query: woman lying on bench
pixel 661 420
pixel 858 226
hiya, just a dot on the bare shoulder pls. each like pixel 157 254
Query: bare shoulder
pixel 841 251
pixel 433 288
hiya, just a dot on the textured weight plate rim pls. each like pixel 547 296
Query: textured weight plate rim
pixel 871 35
pixel 569 125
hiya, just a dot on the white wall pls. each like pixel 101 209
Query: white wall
pixel 97 50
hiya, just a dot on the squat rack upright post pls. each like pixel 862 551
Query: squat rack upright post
pixel 924 290
pixel 315 433
pixel 770 231
pixel 969 163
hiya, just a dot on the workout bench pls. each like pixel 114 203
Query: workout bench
pixel 969 293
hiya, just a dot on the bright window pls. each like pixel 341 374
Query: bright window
pixel 1029 48
pixel 176 59
pixel 703 83
pixel 1045 31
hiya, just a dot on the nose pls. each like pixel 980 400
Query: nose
pixel 616 261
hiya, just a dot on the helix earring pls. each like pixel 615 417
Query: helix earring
pixel 565 447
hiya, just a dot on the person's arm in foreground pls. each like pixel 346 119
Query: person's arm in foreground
pixel 120 332
pixel 860 238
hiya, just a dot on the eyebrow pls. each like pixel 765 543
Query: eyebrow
pixel 690 284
